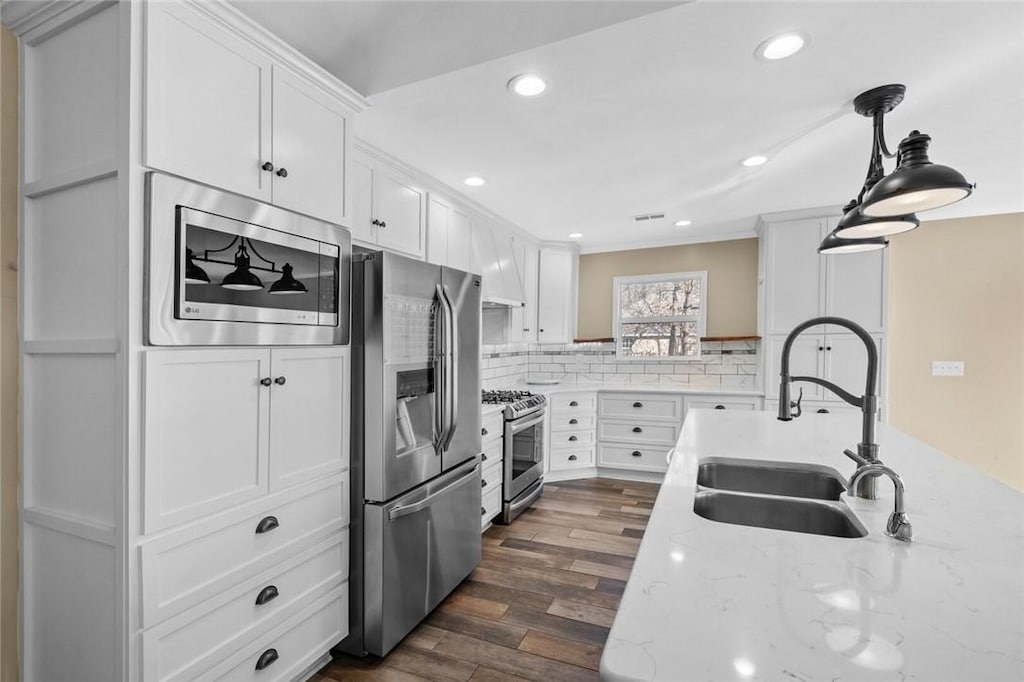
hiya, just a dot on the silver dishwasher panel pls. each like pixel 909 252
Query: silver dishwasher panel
pixel 426 549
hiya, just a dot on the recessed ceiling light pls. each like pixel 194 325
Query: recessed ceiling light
pixel 527 85
pixel 683 223
pixel 781 46
pixel 474 181
pixel 752 161
pixel 575 235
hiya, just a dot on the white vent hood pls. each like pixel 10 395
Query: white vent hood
pixel 494 260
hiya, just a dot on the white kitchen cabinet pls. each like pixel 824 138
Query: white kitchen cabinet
pixel 389 210
pixel 449 235
pixel 524 318
pixel 226 426
pixel 839 358
pixel 710 402
pixel 571 434
pixel 220 111
pixel 556 301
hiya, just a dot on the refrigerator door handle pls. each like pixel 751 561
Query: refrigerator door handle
pixel 440 372
pixel 406 509
pixel 452 401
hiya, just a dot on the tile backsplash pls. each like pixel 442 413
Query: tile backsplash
pixel 723 365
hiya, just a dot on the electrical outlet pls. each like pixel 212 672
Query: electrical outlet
pixel 947 368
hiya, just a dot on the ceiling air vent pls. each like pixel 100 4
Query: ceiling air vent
pixel 644 217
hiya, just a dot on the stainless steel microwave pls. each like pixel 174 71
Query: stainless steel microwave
pixel 227 270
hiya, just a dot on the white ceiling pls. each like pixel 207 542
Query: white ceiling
pixel 654 113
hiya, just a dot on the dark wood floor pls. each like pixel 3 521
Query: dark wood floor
pixel 541 602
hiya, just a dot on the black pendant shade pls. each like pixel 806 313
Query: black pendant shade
pixel 855 225
pixel 917 184
pixel 241 278
pixel 288 284
pixel 193 273
pixel 833 244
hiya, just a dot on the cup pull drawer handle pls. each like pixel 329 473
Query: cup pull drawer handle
pixel 268 593
pixel 719 407
pixel 574 421
pixel 267 524
pixel 483 457
pixel 638 404
pixel 823 411
pixel 572 438
pixel 483 511
pixel 574 404
pixel 637 429
pixel 266 659
pixel 483 432
pixel 572 458
pixel 637 453
pixel 483 482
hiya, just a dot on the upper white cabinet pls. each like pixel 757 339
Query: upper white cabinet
pixel 799 283
pixel 556 301
pixel 389 210
pixel 220 111
pixel 524 318
pixel 449 234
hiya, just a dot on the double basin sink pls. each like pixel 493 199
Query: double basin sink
pixel 803 498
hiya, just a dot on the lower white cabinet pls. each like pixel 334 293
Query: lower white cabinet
pixel 571 436
pixel 492 460
pixel 632 456
pixel 725 403
pixel 225 426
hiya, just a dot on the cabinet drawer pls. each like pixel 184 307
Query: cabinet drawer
pixel 181 648
pixel 638 432
pixel 646 458
pixel 572 438
pixel 492 425
pixel 490 506
pixel 644 406
pixel 565 403
pixel 290 648
pixel 188 567
pixel 491 478
pixel 562 422
pixel 732 403
pixel 492 453
pixel 571 458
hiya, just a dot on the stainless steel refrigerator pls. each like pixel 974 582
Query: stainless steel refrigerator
pixel 415 443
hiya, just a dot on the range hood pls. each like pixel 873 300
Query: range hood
pixel 495 261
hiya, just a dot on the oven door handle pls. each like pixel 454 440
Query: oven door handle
pixel 452 351
pixel 516 427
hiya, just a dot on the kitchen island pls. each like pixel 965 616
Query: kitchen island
pixel 716 601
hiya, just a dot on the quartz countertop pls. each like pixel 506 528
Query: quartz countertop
pixel 715 601
pixel 565 386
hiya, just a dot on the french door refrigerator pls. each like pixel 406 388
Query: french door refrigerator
pixel 415 443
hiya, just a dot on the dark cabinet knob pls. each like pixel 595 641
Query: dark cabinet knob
pixel 541 331
pixel 268 593
pixel 828 347
pixel 823 411
pixel 572 458
pixel 573 403
pixel 267 524
pixel 483 432
pixel 266 381
pixel 574 421
pixel 266 659
pixel 637 429
pixel 267 166
pixel 573 438
pixel 719 407
pixel 383 223
pixel 280 381
pixel 637 453
pixel 821 348
pixel 282 173
pixel 526 329
pixel 638 404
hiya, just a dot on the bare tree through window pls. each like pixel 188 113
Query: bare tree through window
pixel 660 315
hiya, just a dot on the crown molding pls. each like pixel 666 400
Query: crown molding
pixel 35 22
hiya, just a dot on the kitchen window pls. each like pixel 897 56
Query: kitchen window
pixel 660 316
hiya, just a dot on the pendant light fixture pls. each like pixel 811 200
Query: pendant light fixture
pixel 241 278
pixel 886 204
pixel 288 284
pixel 834 244
pixel 193 273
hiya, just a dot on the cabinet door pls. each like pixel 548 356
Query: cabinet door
pixel 438 217
pixel 401 209
pixel 361 216
pixel 485 261
pixel 554 306
pixel 855 288
pixel 846 362
pixel 795 273
pixel 460 240
pixel 311 142
pixel 207 102
pixel 804 360
pixel 205 432
pixel 309 414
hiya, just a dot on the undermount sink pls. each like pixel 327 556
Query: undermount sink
pixel 771 478
pixel 780 513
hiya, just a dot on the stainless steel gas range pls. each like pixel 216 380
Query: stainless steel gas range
pixel 523 449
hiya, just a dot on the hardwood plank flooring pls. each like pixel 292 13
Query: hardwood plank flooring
pixel 540 604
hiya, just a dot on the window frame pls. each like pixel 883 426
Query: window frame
pixel 700 318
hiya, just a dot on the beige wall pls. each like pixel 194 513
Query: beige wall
pixel 732 283
pixel 8 356
pixel 957 293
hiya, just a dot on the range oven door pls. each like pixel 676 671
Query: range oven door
pixel 524 453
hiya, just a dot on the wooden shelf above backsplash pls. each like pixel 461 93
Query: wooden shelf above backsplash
pixel 609 339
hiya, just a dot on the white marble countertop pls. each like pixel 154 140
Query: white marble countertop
pixel 564 386
pixel 715 601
